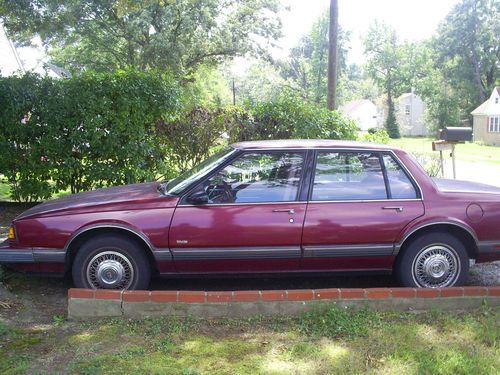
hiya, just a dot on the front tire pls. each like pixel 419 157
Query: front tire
pixel 111 262
pixel 434 260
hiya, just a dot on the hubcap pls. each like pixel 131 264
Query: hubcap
pixel 436 266
pixel 110 270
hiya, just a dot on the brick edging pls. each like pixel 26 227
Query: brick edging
pixel 295 295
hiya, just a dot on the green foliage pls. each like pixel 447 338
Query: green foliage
pixel 114 34
pixel 208 86
pixel 387 58
pixel 192 137
pixel 262 81
pixel 376 135
pixel 468 44
pixel 89 131
pixel 290 117
pixel 391 123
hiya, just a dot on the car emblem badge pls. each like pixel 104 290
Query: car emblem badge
pixel 182 241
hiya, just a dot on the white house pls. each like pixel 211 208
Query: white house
pixel 410 109
pixel 363 111
pixel 10 63
pixel 486 120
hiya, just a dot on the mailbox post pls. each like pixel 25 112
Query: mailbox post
pixel 449 137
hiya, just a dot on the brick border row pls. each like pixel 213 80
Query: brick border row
pixel 186 296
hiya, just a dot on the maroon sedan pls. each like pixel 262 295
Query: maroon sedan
pixel 268 207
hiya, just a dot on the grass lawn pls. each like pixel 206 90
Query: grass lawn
pixel 327 341
pixel 473 152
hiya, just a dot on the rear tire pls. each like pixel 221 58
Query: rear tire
pixel 111 261
pixel 433 260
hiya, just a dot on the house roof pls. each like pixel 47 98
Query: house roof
pixel 489 107
pixel 10 63
pixel 354 105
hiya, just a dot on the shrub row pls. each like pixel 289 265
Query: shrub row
pixel 105 129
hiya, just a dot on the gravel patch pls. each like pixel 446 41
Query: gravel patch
pixel 485 274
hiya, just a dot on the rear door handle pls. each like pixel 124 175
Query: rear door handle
pixel 398 209
pixel 291 211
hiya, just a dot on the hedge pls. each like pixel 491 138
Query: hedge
pixel 88 131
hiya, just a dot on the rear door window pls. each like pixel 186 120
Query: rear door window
pixel 341 176
pixel 399 183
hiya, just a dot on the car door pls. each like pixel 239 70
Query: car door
pixel 252 220
pixel 359 202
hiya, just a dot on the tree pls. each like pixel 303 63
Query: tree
pixel 104 35
pixel 467 44
pixel 386 61
pixel 333 32
pixel 261 82
pixel 307 67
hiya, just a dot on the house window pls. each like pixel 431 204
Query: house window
pixel 494 125
pixel 496 100
pixel 407 109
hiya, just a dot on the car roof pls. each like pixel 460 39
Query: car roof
pixel 308 144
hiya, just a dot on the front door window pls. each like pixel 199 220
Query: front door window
pixel 257 177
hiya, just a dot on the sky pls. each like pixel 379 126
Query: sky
pixel 413 20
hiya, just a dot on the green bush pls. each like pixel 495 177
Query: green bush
pixel 88 131
pixel 290 117
pixel 376 135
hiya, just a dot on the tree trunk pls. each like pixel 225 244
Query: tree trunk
pixel 332 53
pixel 477 76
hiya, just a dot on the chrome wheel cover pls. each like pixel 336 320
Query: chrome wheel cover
pixel 110 270
pixel 436 266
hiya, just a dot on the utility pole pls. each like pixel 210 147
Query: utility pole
pixel 234 93
pixel 333 33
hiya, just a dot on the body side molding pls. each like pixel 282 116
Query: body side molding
pixel 236 253
pixel 334 251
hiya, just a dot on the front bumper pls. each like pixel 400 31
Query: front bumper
pixel 10 254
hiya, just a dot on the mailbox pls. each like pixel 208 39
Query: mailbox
pixel 455 134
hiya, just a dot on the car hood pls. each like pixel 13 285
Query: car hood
pixel 127 194
pixel 459 186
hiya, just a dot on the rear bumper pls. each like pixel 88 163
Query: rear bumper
pixel 10 254
pixel 488 251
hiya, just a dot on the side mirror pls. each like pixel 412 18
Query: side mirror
pixel 199 197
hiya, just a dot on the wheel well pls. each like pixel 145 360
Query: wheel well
pixel 460 233
pixel 80 239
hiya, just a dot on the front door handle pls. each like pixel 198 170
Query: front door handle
pixel 291 211
pixel 398 209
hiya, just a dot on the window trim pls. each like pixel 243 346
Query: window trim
pixel 380 153
pixel 241 153
pixel 493 122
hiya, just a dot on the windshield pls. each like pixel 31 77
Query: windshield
pixel 178 184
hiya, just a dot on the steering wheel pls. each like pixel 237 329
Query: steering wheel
pixel 221 193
